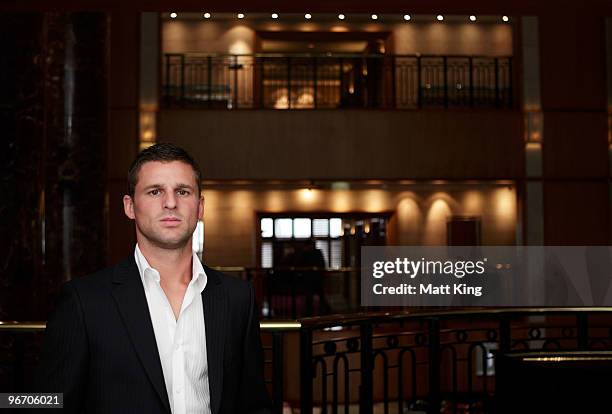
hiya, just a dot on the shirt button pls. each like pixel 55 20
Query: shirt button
pixel 178 390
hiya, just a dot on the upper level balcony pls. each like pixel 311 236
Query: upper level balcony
pixel 335 81
pixel 329 61
pixel 325 98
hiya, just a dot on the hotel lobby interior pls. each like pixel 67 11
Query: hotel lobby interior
pixel 324 130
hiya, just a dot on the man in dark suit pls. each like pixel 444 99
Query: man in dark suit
pixel 158 332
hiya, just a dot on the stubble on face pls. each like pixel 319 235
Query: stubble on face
pixel 166 205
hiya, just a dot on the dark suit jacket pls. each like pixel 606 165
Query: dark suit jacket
pixel 100 348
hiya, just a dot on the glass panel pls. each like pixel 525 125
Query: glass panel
pixel 336 254
pixel 335 227
pixel 266 254
pixel 320 227
pixel 267 227
pixel 323 245
pixel 301 228
pixel 283 228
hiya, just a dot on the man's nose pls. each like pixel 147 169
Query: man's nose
pixel 170 200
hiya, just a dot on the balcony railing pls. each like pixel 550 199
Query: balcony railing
pixel 434 361
pixel 275 81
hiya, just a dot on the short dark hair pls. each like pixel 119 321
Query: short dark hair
pixel 162 152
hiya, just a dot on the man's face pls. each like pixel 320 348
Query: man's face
pixel 166 205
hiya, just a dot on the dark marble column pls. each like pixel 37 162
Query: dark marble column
pixel 75 163
pixel 54 128
pixel 21 158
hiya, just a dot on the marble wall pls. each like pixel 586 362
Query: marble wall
pixel 53 167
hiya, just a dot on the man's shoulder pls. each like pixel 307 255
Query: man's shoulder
pixel 102 278
pixel 232 284
pixel 237 292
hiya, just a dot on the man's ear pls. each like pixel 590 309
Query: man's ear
pixel 201 207
pixel 128 206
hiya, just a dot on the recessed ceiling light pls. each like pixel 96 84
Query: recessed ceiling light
pixel 307 16
pixel 505 18
pixel 341 16
pixel 440 17
pixel 240 16
pixel 406 17
pixel 274 15
pixel 472 18
pixel 207 15
pixel 374 17
pixel 173 15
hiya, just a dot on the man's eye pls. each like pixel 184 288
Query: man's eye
pixel 154 192
pixel 183 192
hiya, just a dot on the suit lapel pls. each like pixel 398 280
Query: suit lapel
pixel 216 313
pixel 132 303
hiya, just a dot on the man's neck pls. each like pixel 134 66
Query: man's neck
pixel 173 265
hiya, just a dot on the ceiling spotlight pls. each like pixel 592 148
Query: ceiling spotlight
pixel 505 18
pixel 406 17
pixel 440 17
pixel 207 15
pixel 274 15
pixel 173 15
pixel 240 16
pixel 472 18
pixel 341 16
pixel 374 17
pixel 307 16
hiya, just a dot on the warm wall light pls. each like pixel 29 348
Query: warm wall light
pixel 207 15
pixel 173 15
pixel 374 201
pixel 274 15
pixel 240 47
pixel 472 18
pixel 341 16
pixel 504 205
pixel 505 18
pixel 307 195
pixel 147 126
pixel 406 17
pixel 534 125
pixel 440 17
pixel 340 201
pixel 409 220
pixel 374 17
pixel 240 15
pixel 435 221
pixel 307 16
pixel 473 202
pixel 275 201
pixel 242 202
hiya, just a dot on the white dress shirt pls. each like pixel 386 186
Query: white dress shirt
pixel 181 343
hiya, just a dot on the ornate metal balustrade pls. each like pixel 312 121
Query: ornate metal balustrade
pixel 431 361
pixel 300 81
pixel 440 361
